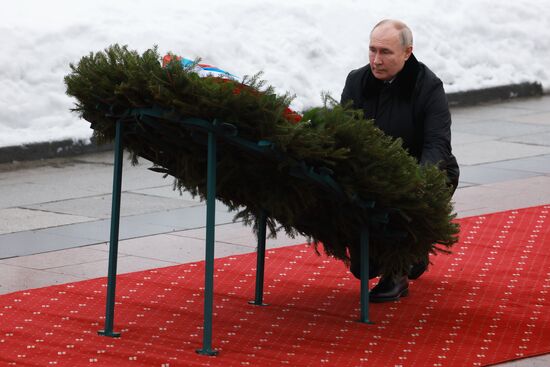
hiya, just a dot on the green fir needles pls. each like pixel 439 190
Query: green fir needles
pixel 316 178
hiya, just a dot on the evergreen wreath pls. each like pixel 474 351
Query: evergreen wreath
pixel 413 212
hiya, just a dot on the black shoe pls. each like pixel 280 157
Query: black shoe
pixel 417 269
pixel 389 289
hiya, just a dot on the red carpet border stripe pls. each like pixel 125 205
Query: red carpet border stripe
pixel 485 303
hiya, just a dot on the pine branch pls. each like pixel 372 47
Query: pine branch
pixel 331 139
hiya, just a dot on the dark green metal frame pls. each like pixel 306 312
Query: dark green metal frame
pixel 113 241
pixel 229 133
pixel 260 260
pixel 210 239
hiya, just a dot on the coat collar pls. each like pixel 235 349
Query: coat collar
pixel 403 83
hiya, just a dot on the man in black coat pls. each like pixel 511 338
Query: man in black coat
pixel 407 101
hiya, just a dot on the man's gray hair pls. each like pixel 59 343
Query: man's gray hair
pixel 405 34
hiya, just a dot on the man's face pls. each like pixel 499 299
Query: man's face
pixel 387 55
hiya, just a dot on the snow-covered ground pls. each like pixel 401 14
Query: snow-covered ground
pixel 304 47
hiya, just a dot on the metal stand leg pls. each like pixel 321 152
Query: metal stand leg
pixel 209 260
pixel 260 262
pixel 113 243
pixel 365 276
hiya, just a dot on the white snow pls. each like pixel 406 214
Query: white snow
pixel 304 47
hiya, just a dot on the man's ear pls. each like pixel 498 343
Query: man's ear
pixel 408 52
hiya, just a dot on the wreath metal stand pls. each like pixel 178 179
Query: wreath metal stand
pixel 228 132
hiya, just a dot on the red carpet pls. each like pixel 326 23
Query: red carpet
pixel 486 303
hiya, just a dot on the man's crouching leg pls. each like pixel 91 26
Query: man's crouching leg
pixel 388 289
pixel 355 264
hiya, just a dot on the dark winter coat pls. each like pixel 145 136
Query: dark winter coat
pixel 412 107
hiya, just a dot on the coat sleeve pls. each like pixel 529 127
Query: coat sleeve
pixel 353 90
pixel 437 127
pixel 346 92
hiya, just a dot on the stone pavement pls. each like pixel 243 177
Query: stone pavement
pixel 54 214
